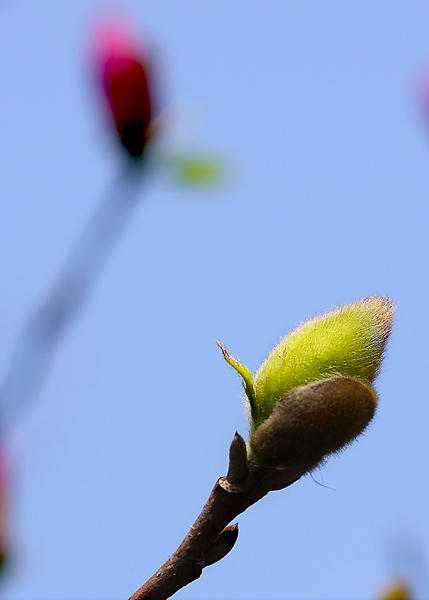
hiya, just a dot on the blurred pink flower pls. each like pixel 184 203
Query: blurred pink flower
pixel 4 520
pixel 420 85
pixel 122 61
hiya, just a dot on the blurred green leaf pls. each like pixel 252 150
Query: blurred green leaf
pixel 204 171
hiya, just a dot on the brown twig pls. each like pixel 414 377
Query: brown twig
pixel 209 538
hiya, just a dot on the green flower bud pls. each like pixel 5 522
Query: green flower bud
pixel 313 393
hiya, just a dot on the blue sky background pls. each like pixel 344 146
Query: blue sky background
pixel 314 106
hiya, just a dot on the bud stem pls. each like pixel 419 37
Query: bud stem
pixel 68 294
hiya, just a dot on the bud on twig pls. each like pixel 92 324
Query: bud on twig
pixel 313 394
pixel 311 397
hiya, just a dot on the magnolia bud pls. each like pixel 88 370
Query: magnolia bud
pixel 123 66
pixel 313 395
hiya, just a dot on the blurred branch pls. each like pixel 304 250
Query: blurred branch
pixel 209 540
pixel 71 289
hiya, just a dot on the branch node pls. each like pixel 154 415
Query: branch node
pixel 229 487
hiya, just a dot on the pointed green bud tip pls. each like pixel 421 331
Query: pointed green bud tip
pixel 313 394
pixel 348 341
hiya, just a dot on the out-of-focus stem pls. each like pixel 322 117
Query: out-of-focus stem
pixel 70 290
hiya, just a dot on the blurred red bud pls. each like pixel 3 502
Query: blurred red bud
pixel 122 61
